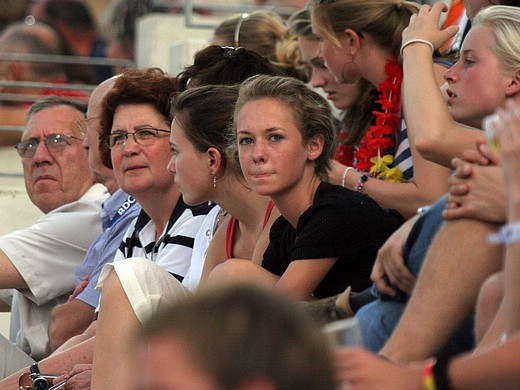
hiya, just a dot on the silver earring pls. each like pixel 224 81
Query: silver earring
pixel 214 181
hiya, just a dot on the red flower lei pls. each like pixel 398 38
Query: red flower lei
pixel 381 135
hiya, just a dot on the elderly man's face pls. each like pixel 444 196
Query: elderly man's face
pixel 91 126
pixel 54 178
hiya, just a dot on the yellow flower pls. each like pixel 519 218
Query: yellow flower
pixel 380 164
pixel 381 171
pixel 393 175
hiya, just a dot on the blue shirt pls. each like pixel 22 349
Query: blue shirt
pixel 116 216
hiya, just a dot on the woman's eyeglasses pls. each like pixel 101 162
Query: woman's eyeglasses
pixel 144 136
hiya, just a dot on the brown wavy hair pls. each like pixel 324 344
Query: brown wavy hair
pixel 147 86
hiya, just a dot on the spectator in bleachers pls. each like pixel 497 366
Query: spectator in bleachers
pixel 237 338
pixel 224 66
pixel 265 33
pixel 39 262
pixel 19 38
pixel 356 100
pixel 12 11
pixel 471 99
pixel 493 366
pixel 281 3
pixel 75 23
pixel 361 39
pixel 285 140
pixel 118 24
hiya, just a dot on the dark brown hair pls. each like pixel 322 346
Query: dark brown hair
pixel 206 115
pixel 224 66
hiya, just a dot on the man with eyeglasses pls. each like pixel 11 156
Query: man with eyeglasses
pixel 39 262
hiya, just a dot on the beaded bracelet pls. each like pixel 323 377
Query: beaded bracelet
pixel 428 380
pixel 417 40
pixel 508 234
pixel 361 183
pixel 344 176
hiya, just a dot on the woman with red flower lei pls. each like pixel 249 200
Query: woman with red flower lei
pixel 362 39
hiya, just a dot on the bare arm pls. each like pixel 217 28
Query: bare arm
pixel 390 263
pixel 302 277
pixel 57 362
pixel 430 180
pixel 429 184
pixel 436 135
pixel 299 280
pixel 492 368
pixel 9 275
pixel 441 292
pixel 509 137
pixel 78 339
pixel 68 320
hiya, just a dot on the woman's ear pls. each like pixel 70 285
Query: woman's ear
pixel 351 41
pixel 315 147
pixel 214 161
pixel 514 85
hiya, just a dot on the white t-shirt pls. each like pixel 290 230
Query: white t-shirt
pixel 46 255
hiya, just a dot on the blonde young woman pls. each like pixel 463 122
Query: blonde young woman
pixel 488 52
pixel 362 39
pixel 265 33
pixel 328 236
pixel 494 367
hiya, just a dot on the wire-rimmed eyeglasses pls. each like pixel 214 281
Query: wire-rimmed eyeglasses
pixel 55 142
pixel 143 136
pixel 82 124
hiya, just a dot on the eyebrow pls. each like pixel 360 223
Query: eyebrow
pixel 64 132
pixel 138 127
pixel 268 130
pixel 466 51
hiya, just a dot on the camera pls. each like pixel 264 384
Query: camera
pixel 40 381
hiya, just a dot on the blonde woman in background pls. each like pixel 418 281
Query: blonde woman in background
pixel 265 33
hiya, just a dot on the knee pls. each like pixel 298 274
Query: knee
pixel 112 287
pixel 230 270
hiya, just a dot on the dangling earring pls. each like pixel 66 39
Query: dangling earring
pixel 350 73
pixel 214 181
